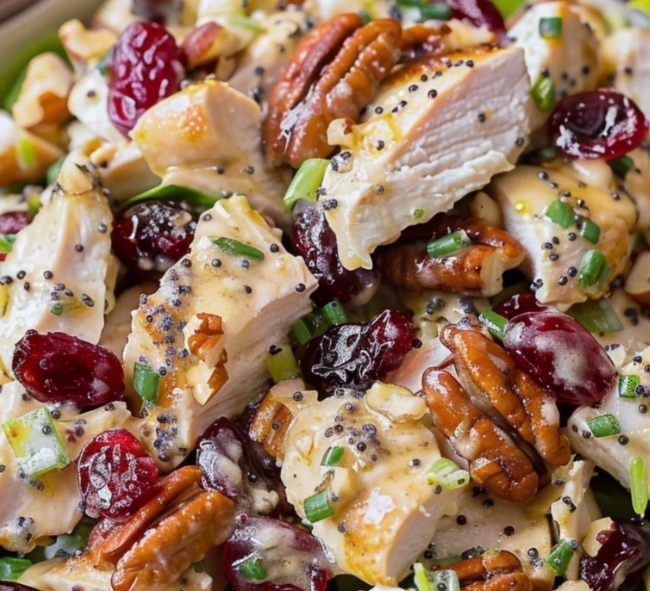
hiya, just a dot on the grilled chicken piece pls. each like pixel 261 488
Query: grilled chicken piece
pixel 385 512
pixel 208 329
pixel 422 146
pixel 68 243
pixel 627 61
pixel 554 254
pixel 569 58
pixel 608 453
pixel 637 184
pixel 208 137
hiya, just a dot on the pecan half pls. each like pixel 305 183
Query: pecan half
pixel 204 340
pixel 335 72
pixel 474 270
pixel 423 39
pixel 270 425
pixel 495 570
pixel 167 535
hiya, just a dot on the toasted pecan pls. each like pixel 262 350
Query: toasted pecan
pixel 494 460
pixel 496 570
pixel 270 425
pixel 335 71
pixel 204 340
pixel 423 39
pixel 487 369
pixel 475 269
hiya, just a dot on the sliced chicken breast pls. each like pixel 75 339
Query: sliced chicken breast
pixel 437 131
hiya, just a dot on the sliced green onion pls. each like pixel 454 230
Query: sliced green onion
pixel 438 11
pixel 334 312
pixel 621 166
pixel 418 213
pixel 594 271
pixel 627 386
pixel 236 248
pixel 11 569
pixel 306 182
pixel 300 333
pixel 146 382
pixel 332 456
pixel 26 153
pixel 546 154
pixel 543 93
pixel 447 474
pixel 638 485
pixel 7 242
pixel 244 22
pixel 550 27
pixel 596 316
pixel 604 425
pixel 57 309
pixel 426 580
pixel 189 195
pixel 590 231
pixel 282 366
pixel 447 244
pixel 317 507
pixel 53 171
pixel 561 213
pixel 560 557
pixel 316 323
pixel 365 16
pixel 494 322
pixel 252 570
pixel 472 552
pixel 33 206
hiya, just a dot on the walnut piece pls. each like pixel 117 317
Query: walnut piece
pixel 335 72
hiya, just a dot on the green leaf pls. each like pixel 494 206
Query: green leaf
pixel 199 199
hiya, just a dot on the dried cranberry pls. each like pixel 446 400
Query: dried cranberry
pixel 11 223
pixel 518 304
pixel 153 235
pixel 599 124
pixel 560 355
pixel 146 67
pixel 57 367
pixel 116 475
pixel 357 355
pixel 316 243
pixel 481 13
pixel 623 554
pixel 237 467
pixel 310 568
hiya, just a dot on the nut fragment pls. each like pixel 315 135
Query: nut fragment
pixel 475 269
pixel 204 345
pixel 333 74
pixel 270 425
pixel 496 570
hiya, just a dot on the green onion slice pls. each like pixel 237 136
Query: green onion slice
pixel 543 93
pixel 590 231
pixel 604 425
pixel 57 309
pixel 11 569
pixel 596 316
pixel 561 213
pixel 438 11
pixel 7 242
pixel 627 386
pixel 447 244
pixel 447 474
pixel 306 182
pixel 317 507
pixel 199 199
pixel 252 570
pixel 236 248
pixel 282 366
pixel 333 456
pixel 53 171
pixel 594 271
pixel 560 557
pixel 146 382
pixel 300 333
pixel 494 322
pixel 316 323
pixel 426 580
pixel 244 22
pixel 621 166
pixel 638 485
pixel 334 312
pixel 26 153
pixel 550 27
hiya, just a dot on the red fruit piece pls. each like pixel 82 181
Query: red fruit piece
pixel 153 235
pixel 57 367
pixel 146 67
pixel 621 558
pixel 518 304
pixel 357 355
pixel 116 475
pixel 481 13
pixel 249 546
pixel 560 355
pixel 599 124
pixel 11 223
pixel 316 243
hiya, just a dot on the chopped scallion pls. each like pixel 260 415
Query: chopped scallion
pixel 447 474
pixel 11 569
pixel 621 166
pixel 282 365
pixel 334 312
pixel 26 153
pixel 33 205
pixel 317 507
pixel 596 316
pixel 236 248
pixel 560 213
pixel 57 309
pixel 418 213
pixel 550 27
pixel 594 271
pixel 300 332
pixel 316 323
pixel 543 93
pixel 438 11
pixel 638 485
pixel 408 3
pixel 252 570
pixel 604 425
pixel 305 183
pixel 447 244
pixel 494 322
pixel 244 22
pixel 590 231
pixel 560 557
pixel 53 171
pixel 146 382
pixel 7 242
pixel 333 456
pixel 627 386
pixel 426 580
